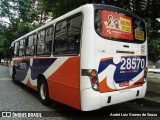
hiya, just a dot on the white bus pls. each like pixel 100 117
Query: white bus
pixel 89 58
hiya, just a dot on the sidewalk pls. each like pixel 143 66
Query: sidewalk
pixel 3 63
pixel 154 70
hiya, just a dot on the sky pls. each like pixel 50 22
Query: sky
pixel 4 21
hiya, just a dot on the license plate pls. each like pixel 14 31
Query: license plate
pixel 125 83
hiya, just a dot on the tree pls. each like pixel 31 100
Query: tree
pixel 21 16
pixel 63 6
pixel 149 10
pixel 154 50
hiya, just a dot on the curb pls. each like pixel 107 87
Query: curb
pixel 1 64
pixel 154 71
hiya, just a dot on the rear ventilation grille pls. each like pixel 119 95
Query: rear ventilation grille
pixel 126 52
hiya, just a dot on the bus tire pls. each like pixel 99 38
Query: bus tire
pixel 13 76
pixel 43 91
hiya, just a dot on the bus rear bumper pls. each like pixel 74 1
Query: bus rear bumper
pixel 91 100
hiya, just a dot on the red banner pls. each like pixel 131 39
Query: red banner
pixel 116 25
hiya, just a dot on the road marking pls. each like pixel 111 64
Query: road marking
pixel 3 79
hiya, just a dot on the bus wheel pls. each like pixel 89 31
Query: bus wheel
pixel 13 76
pixel 43 92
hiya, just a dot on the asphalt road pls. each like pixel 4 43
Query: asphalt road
pixel 153 87
pixel 17 97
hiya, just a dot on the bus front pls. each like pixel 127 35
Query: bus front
pixel 120 57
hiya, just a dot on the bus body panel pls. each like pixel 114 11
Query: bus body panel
pixel 62 74
pixel 109 57
pixel 64 85
pixel 28 69
pixel 94 100
pixel 87 45
pixel 109 63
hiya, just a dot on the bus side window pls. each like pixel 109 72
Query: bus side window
pixel 60 42
pixel 48 40
pixel 74 34
pixel 40 43
pixel 16 49
pixel 67 36
pixel 21 48
pixel 30 46
pixel 33 45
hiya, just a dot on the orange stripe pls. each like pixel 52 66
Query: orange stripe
pixel 104 59
pixel 105 88
pixel 27 59
pixel 20 60
pixel 64 83
pixel 133 86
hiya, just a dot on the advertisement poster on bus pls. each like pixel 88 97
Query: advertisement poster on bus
pixel 116 25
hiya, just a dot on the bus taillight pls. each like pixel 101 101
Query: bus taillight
pixel 93 73
pixel 94 79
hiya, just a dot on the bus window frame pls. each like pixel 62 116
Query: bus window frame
pixel 17 51
pixel 34 44
pixel 45 42
pixel 49 41
pixel 127 13
pixel 68 18
pixel 23 49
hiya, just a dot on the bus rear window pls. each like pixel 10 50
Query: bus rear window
pixel 118 26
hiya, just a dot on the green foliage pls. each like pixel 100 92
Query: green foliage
pixel 20 16
pixel 154 50
pixel 2 49
pixel 63 6
pixel 23 28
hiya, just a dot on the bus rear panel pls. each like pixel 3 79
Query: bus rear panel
pixel 120 61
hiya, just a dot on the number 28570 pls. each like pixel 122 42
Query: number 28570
pixel 132 63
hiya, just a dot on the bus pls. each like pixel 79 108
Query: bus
pixel 89 58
